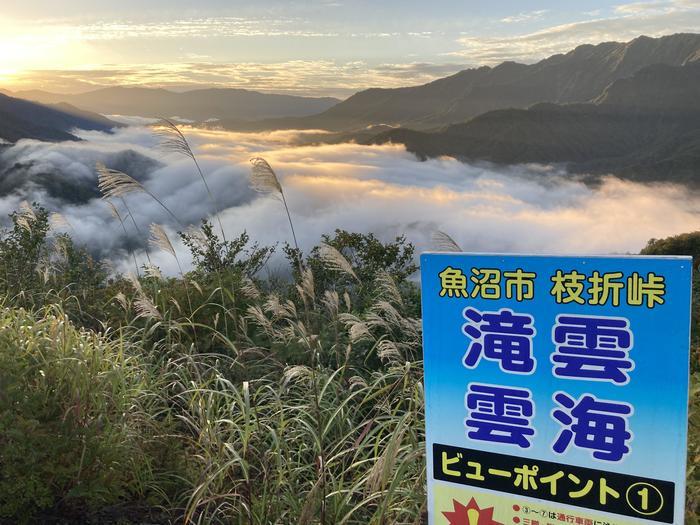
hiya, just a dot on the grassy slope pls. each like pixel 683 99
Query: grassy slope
pixel 308 410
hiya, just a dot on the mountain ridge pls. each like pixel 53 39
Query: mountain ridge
pixel 22 119
pixel 197 104
pixel 580 75
pixel 638 128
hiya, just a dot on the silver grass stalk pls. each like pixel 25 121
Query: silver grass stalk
pixel 44 268
pixel 159 239
pixel 115 213
pixel 249 289
pixel 135 283
pixel 174 302
pixel 197 287
pixel 113 210
pixel 197 235
pixel 121 299
pixel 357 382
pixel 114 183
pixel 388 350
pixel 256 314
pixel 359 332
pixel 173 140
pixel 306 289
pixel 263 179
pixel 444 243
pixel 26 216
pixel 295 372
pixel 56 220
pixel 61 248
pixel 145 308
pixel 331 301
pixel 117 184
pixel 387 286
pixel 108 267
pixel 151 270
pixel 335 260
pixel 24 223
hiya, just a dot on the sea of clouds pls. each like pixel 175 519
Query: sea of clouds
pixel 380 189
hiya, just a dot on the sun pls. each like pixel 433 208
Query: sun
pixel 470 514
pixel 6 74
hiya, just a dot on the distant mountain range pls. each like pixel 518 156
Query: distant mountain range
pixel 644 127
pixel 23 119
pixel 195 105
pixel 578 76
pixel 632 109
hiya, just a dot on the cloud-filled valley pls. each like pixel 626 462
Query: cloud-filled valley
pixel 382 189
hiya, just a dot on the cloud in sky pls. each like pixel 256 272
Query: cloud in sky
pixel 382 189
pixel 524 17
pixel 300 77
pixel 211 27
pixel 657 7
pixel 627 22
pixel 312 48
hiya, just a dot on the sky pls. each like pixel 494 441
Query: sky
pixel 313 47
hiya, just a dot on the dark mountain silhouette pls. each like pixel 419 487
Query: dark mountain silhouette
pixel 198 104
pixel 577 76
pixel 20 119
pixel 660 87
pixel 645 127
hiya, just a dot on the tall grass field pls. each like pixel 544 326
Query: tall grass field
pixel 224 394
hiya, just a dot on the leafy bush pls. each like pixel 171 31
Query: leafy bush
pixel 211 254
pixel 22 249
pixel 684 244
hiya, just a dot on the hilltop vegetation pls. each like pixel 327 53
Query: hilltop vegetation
pixel 210 398
pixel 217 395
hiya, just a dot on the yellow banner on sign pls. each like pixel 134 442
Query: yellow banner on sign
pixel 454 505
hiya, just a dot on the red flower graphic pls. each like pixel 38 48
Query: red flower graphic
pixel 470 514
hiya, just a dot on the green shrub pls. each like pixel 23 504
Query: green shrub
pixel 683 244
pixel 74 423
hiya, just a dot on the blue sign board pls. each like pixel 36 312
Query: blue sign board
pixel 556 388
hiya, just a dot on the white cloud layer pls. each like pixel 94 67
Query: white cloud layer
pixel 380 189
pixel 297 77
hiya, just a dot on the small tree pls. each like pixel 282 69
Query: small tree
pixel 22 249
pixel 683 244
pixel 211 254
